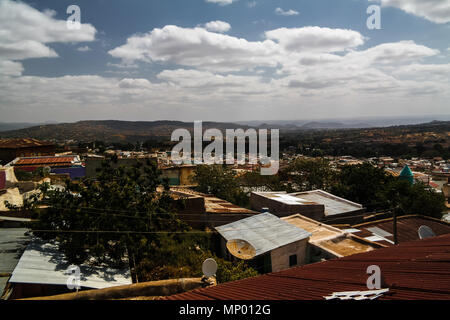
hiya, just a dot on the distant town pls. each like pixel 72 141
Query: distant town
pixel 132 223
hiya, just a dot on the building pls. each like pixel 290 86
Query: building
pixel 207 211
pixel 43 270
pixel 381 231
pixel 317 204
pixel 417 270
pixel 11 149
pixel 13 242
pixel 178 175
pixel 67 164
pixel 407 175
pixel 94 163
pixel 278 245
pixel 327 242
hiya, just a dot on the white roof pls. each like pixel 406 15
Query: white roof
pixel 43 263
pixel 265 232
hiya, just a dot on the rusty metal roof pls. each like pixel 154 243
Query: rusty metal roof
pixel 23 143
pixel 47 161
pixel 407 228
pixel 415 270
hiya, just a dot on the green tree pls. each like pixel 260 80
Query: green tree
pixel 310 174
pixel 221 182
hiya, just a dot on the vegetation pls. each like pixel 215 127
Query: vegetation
pixel 122 215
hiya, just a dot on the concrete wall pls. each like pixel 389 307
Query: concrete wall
pixel 280 209
pixel 280 256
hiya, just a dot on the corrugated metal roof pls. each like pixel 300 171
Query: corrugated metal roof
pixel 407 228
pixel 34 161
pixel 265 232
pixel 13 242
pixel 416 270
pixel 43 263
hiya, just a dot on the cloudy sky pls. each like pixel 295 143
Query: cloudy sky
pixel 223 60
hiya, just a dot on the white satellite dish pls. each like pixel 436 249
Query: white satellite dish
pixel 426 232
pixel 241 249
pixel 209 267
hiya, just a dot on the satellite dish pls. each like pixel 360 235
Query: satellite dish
pixel 426 232
pixel 241 249
pixel 47 169
pixel 209 267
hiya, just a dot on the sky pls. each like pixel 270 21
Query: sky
pixel 223 60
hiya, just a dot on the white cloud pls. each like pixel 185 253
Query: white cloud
pixel 10 68
pixel 316 39
pixel 83 49
pixel 199 48
pixel 289 12
pixel 25 31
pixel 221 2
pixel 434 10
pixel 218 26
pixel 251 4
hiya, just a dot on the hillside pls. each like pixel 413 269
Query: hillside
pixel 109 130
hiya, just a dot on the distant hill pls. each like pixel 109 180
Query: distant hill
pixel 110 130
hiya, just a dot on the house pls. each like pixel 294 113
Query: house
pixel 278 245
pixel 67 164
pixel 328 242
pixel 204 210
pixel 11 149
pixel 43 270
pixel 317 204
pixel 415 270
pixel 381 231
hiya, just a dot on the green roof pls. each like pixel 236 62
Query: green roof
pixel 406 172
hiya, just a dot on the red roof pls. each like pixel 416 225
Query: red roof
pixel 407 228
pixel 36 161
pixel 412 271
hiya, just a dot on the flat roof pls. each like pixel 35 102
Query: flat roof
pixel 331 239
pixel 334 205
pixel 212 203
pixel 265 232
pixel 43 263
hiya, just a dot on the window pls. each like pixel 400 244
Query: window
pixel 293 260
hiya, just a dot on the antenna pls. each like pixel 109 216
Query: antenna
pixel 209 267
pixel 426 232
pixel 241 249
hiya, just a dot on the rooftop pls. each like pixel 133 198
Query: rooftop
pixel 415 270
pixel 265 232
pixel 43 263
pixel 212 204
pixel 381 231
pixel 47 161
pixel 13 242
pixel 23 143
pixel 331 239
pixel 334 205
